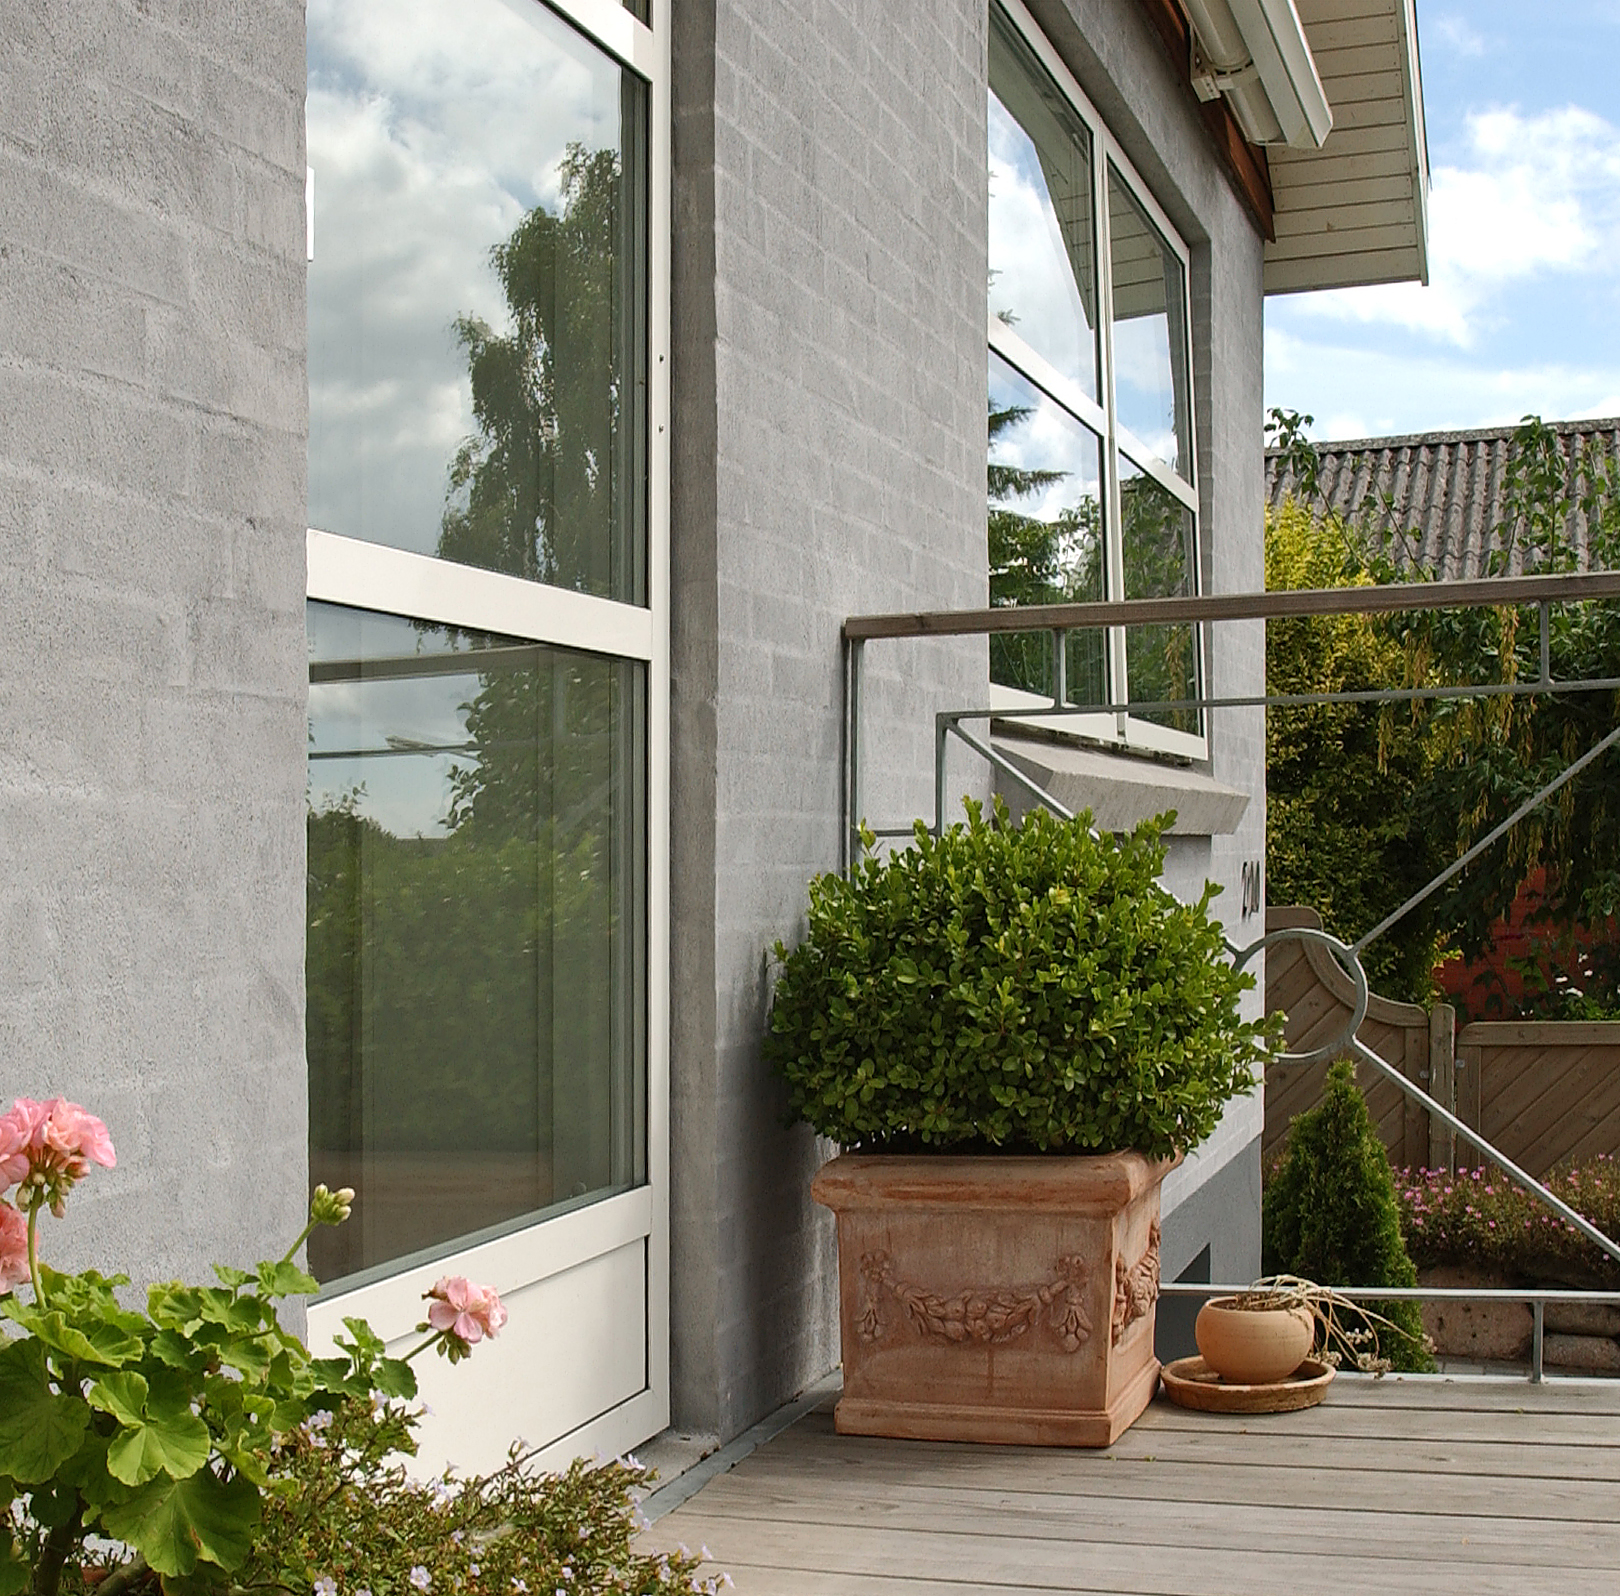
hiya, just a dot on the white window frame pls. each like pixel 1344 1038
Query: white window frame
pixel 1128 731
pixel 363 575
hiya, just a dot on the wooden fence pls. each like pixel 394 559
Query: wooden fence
pixel 1544 1093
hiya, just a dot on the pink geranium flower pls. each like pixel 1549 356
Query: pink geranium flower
pixel 466 1311
pixel 13 1248
pixel 46 1147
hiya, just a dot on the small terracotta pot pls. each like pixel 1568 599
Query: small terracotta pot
pixel 1253 1346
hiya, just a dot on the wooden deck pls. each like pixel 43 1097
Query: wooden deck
pixel 1472 1486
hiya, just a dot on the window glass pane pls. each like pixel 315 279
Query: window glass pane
pixel 1045 531
pixel 1160 560
pixel 1042 239
pixel 477 288
pixel 475 966
pixel 1150 332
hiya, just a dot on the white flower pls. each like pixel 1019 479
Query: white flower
pixel 420 1577
pixel 325 1586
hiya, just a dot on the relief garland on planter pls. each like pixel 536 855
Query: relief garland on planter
pixel 1025 1015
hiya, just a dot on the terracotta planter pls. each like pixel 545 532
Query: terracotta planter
pixel 996 1299
pixel 1253 1346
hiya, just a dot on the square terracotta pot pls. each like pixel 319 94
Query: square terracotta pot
pixel 1004 1299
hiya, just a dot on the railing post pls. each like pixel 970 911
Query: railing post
pixel 1538 1338
pixel 852 734
pixel 1443 1084
pixel 1060 669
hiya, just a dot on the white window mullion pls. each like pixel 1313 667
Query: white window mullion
pixel 622 34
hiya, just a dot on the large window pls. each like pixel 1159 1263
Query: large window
pixel 1092 481
pixel 486 629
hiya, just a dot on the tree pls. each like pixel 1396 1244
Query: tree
pixel 1036 561
pixel 1342 834
pixel 544 490
pixel 1366 806
pixel 1562 513
pixel 1330 1213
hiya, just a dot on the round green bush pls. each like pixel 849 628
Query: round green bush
pixel 1021 988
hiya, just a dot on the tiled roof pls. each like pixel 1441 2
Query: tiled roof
pixel 1444 488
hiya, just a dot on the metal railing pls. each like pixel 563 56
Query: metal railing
pixel 1059 619
pixel 1536 1298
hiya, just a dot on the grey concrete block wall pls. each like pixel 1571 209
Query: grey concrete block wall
pixel 829 391
pixel 829 460
pixel 152 729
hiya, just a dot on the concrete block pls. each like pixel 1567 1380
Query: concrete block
pixel 1589 1354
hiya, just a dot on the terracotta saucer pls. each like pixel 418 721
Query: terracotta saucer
pixel 1191 1383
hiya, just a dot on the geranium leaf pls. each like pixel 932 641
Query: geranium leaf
pixel 40 1429
pixel 177 1446
pixel 123 1395
pixel 174 1523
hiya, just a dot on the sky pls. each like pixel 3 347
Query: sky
pixel 1522 311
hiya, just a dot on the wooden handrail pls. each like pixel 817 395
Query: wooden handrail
pixel 1574 587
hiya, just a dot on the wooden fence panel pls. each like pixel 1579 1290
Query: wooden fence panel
pixel 1544 1093
pixel 1308 985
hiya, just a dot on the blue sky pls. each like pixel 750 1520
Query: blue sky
pixel 1523 308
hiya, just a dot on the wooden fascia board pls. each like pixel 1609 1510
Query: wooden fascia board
pixel 1245 165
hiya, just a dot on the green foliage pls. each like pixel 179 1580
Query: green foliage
pixel 1490 755
pixel 1330 1212
pixel 1342 833
pixel 1036 561
pixel 154 1429
pixel 197 1449
pixel 1367 806
pixel 348 1512
pixel 1027 988
pixel 1477 1218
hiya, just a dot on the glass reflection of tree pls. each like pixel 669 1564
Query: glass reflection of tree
pixel 1157 537
pixel 1036 561
pixel 459 1018
pixel 537 492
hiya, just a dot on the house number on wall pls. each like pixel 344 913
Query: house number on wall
pixel 1254 898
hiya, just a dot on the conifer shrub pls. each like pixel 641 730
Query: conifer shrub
pixel 1330 1214
pixel 1026 988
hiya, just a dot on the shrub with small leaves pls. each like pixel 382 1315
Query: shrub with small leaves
pixel 347 1520
pixel 1330 1214
pixel 1022 988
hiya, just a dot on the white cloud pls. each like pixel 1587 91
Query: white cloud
pixel 1538 195
pixel 1454 32
pixel 432 131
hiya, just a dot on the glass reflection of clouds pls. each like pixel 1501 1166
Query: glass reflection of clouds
pixel 432 130
pixel 1150 376
pixel 1042 243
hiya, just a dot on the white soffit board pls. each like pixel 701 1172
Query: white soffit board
pixel 1357 210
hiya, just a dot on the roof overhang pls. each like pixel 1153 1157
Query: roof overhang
pixel 1255 54
pixel 1356 211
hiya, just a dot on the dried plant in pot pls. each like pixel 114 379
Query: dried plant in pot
pixel 1014 1031
pixel 1262 1335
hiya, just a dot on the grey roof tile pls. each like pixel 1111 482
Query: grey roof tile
pixel 1441 492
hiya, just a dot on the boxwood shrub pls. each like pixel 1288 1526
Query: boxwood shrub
pixel 1022 988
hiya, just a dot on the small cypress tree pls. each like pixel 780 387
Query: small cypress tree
pixel 1330 1214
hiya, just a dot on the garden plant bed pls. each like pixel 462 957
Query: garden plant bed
pixel 1475 1228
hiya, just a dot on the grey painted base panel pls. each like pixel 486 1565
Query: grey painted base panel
pixel 1213 1235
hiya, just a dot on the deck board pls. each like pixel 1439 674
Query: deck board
pixel 1391 1486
